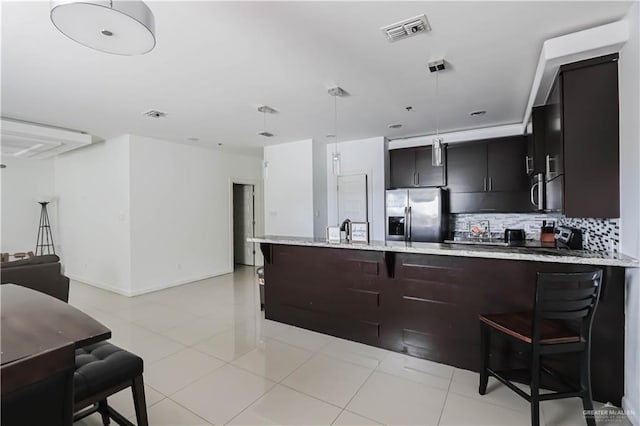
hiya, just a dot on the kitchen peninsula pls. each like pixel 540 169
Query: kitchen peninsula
pixel 423 299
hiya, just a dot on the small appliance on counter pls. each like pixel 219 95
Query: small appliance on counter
pixel 547 232
pixel 514 236
pixel 568 238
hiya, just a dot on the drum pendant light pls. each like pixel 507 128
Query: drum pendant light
pixel 125 27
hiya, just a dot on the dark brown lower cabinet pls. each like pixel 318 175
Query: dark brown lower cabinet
pixel 427 306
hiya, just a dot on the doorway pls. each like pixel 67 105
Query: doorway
pixel 244 224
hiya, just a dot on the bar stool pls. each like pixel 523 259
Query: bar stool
pixel 560 323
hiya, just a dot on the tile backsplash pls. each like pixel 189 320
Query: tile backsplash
pixel 598 234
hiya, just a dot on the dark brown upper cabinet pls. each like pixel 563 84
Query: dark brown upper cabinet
pixel 493 165
pixel 590 138
pixel 467 167
pixel 581 138
pixel 505 165
pixel 535 160
pixel 488 176
pixel 411 167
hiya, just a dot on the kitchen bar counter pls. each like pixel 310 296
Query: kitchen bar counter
pixel 424 299
pixel 550 255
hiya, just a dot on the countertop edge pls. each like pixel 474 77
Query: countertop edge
pixel 627 262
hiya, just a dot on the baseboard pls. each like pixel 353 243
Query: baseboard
pixel 180 282
pixel 99 285
pixel 163 286
pixel 633 413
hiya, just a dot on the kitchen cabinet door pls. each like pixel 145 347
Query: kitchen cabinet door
pixel 467 167
pixel 426 174
pixel 402 167
pixel 536 150
pixel 506 164
pixel 554 153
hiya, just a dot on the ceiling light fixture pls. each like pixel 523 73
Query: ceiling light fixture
pixel 477 113
pixel 120 27
pixel 436 146
pixel 394 126
pixel 265 109
pixel 335 156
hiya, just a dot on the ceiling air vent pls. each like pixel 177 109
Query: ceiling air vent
pixel 407 28
pixel 154 113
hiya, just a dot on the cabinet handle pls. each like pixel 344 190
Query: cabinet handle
pixel 484 184
pixel 528 164
pixel 418 175
pixel 548 165
pixel 490 183
pixel 414 178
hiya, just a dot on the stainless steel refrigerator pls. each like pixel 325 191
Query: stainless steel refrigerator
pixel 416 215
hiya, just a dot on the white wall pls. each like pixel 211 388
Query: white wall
pixel 181 211
pixel 24 183
pixel 319 189
pixel 364 156
pixel 288 189
pixel 92 185
pixel 629 64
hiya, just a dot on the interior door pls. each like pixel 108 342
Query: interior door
pixel 243 224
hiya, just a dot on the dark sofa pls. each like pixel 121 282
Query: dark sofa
pixel 41 273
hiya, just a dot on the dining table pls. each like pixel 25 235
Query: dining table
pixel 32 322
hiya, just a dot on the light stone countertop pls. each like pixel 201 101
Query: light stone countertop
pixel 464 250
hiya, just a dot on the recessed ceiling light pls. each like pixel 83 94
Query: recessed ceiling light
pixel 330 136
pixel 394 126
pixel 219 143
pixel 265 134
pixel 476 113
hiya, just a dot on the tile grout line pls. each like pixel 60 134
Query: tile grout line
pixel 359 388
pixel 446 397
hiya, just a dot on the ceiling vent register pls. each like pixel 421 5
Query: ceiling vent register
pixel 154 113
pixel 407 28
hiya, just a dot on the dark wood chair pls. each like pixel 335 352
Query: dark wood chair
pixel 38 390
pixel 561 321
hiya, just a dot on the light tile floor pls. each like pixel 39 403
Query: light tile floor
pixel 211 358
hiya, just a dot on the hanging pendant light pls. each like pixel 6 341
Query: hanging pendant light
pixel 436 143
pixel 335 156
pixel 265 109
pixel 120 27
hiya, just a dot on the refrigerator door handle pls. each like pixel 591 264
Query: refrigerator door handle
pixel 406 223
pixel 409 228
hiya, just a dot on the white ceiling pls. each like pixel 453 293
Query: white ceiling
pixel 216 62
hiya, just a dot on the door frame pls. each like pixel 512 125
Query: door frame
pixel 258 217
